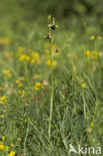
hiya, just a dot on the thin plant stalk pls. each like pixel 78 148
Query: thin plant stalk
pixel 52 26
pixel 52 90
pixel 26 140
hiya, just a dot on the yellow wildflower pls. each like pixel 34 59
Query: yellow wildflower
pixel 3 100
pixel 7 148
pixel 94 54
pixel 92 124
pixel 7 73
pixel 92 37
pixel 49 63
pixel 12 153
pixel 23 93
pixel 35 54
pixel 83 84
pixel 87 53
pixel 38 86
pixel 99 37
pixel 35 58
pixel 3 138
pixel 19 83
pixel 24 57
pixel 1 146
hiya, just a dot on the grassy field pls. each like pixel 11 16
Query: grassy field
pixel 31 83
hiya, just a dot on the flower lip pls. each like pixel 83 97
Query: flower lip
pixel 47 36
pixel 53 27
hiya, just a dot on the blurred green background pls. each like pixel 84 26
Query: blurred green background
pixel 30 9
pixel 76 11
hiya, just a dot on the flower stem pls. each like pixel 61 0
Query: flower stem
pixel 52 93
pixel 26 140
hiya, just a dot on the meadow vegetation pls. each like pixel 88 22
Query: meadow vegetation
pixel 36 65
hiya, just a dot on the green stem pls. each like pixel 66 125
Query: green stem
pixel 52 94
pixel 26 140
pixel 84 102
